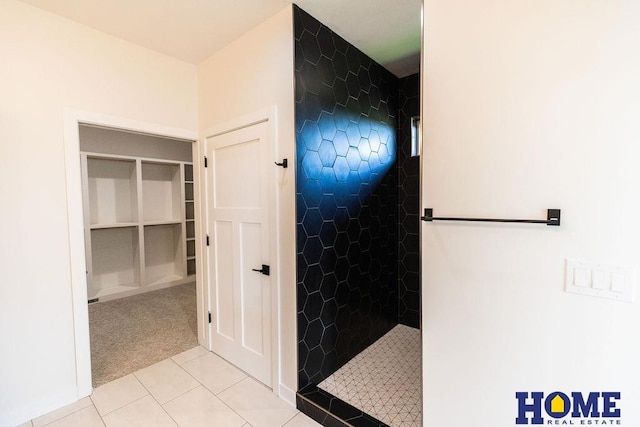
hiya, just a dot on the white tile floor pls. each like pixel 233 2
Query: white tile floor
pixel 193 389
pixel 384 380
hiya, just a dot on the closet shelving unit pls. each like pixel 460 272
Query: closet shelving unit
pixel 139 224
pixel 190 224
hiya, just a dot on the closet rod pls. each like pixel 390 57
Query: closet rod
pixel 553 218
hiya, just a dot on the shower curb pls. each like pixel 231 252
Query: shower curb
pixel 330 411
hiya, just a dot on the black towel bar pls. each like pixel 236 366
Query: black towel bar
pixel 553 218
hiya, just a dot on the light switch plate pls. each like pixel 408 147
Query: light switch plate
pixel 581 276
pixel 618 281
pixel 600 280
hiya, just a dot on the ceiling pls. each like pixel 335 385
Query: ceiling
pixel 191 30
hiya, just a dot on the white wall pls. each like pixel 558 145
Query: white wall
pixel 251 74
pixel 528 105
pixel 49 63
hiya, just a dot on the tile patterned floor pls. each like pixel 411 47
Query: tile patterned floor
pixel 193 389
pixel 384 380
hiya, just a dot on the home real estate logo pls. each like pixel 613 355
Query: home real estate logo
pixel 557 408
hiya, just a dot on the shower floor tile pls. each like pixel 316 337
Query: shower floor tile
pixel 384 380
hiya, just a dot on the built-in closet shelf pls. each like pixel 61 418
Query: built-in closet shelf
pixel 190 210
pixel 139 224
pixel 111 189
pixel 161 195
pixel 190 225
pixel 117 225
pixel 115 290
pixel 165 222
pixel 188 191
pixel 191 248
pixel 113 260
pixel 191 267
pixel 191 229
pixel 165 279
pixel 188 173
pixel 163 253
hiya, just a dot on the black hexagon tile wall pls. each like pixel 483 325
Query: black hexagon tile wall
pixel 351 225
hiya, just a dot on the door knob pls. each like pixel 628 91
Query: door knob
pixel 264 270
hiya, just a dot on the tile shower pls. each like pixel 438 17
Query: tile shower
pixel 357 233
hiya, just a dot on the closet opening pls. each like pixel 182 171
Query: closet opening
pixel 138 200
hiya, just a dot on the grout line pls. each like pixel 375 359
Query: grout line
pixel 236 383
pixel 228 406
pixel 168 414
pixel 240 415
pixel 159 404
pixel 289 420
pixel 73 413
pixel 232 410
pixel 212 393
pixel 65 416
pixel 101 419
pixel 188 360
pixel 124 406
pixel 119 407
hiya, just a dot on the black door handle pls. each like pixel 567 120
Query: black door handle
pixel 264 270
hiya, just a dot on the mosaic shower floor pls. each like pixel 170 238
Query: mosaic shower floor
pixel 384 380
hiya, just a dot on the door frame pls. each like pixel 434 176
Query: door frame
pixel 270 116
pixel 77 253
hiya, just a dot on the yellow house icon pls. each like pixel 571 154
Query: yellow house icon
pixel 557 404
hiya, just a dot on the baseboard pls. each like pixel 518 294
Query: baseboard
pixel 38 408
pixel 287 395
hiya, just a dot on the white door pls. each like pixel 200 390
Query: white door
pixel 238 182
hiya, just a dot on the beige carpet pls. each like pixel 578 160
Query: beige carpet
pixel 132 333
